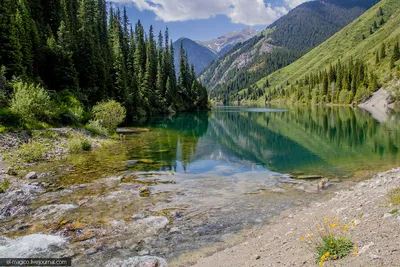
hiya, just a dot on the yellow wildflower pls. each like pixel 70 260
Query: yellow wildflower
pixel 303 238
pixel 310 235
pixel 336 219
pixel 355 254
pixel 321 263
pixel 327 254
pixel 327 219
pixel 355 248
pixel 319 227
pixel 322 257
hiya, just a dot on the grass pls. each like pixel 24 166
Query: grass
pixel 394 196
pixel 33 151
pixel 345 44
pixel 78 143
pixel 4 186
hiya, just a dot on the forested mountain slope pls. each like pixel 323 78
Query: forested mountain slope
pixel 198 55
pixel 89 51
pixel 280 44
pixel 345 69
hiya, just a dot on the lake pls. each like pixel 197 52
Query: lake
pixel 197 180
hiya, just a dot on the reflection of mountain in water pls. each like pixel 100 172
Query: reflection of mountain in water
pixel 279 141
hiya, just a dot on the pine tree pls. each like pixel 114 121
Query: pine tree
pixel 383 51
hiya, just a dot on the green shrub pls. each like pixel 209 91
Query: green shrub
pixel 85 145
pixel 4 186
pixel 31 102
pixel 109 114
pixel 69 109
pixel 3 100
pixel 9 118
pixel 96 128
pixel 32 151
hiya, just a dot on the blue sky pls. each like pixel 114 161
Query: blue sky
pixel 206 19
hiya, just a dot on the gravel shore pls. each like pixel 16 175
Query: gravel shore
pixel 376 233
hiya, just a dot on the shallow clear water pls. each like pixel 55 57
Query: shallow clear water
pixel 209 176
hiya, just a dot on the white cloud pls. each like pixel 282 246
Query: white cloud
pixel 294 3
pixel 248 12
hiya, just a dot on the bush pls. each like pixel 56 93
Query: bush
pixel 69 109
pixel 31 102
pixel 109 114
pixel 32 151
pixel 96 128
pixel 86 146
pixel 3 100
pixel 9 118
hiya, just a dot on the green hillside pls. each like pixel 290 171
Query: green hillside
pixel 359 45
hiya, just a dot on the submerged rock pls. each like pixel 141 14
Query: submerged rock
pixel 146 161
pixel 145 261
pixel 130 163
pixel 305 177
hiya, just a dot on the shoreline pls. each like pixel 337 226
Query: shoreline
pixel 278 243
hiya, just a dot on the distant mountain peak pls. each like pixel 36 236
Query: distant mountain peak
pixel 223 43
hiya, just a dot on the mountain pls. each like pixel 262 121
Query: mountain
pixel 225 43
pixel 202 54
pixel 198 55
pixel 284 41
pixel 345 69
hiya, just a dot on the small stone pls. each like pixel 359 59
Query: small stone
pixel 387 215
pixel 10 171
pixel 258 257
pixel 174 230
pixel 31 175
pixel 278 190
pixel 90 251
pixel 365 248
pixel 143 252
pixel 374 257
pixel 175 214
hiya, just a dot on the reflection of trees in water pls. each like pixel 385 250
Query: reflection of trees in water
pixel 279 141
pixel 283 141
pixel 179 135
pixel 347 127
pixel 241 133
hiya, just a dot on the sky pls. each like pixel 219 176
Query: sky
pixel 206 19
